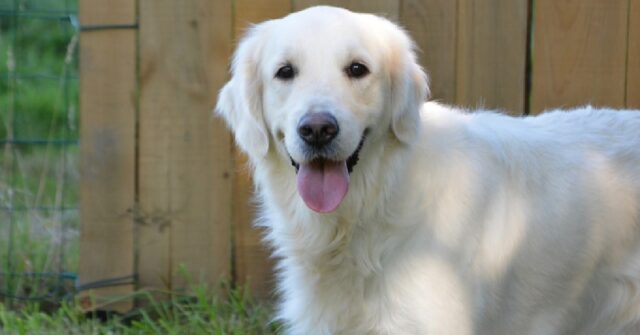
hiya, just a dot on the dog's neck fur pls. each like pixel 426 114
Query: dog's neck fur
pixel 319 249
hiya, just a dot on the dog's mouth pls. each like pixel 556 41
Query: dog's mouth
pixel 323 183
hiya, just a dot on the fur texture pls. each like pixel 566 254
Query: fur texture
pixel 454 222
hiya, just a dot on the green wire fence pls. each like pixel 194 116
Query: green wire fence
pixel 39 173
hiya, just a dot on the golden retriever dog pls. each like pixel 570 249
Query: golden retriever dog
pixel 392 215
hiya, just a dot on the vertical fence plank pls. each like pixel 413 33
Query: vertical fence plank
pixel 432 24
pixel 491 54
pixel 252 11
pixel 253 266
pixel 387 8
pixel 579 53
pixel 107 105
pixel 184 156
pixel 633 56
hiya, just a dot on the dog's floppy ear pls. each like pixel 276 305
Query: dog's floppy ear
pixel 240 100
pixel 409 87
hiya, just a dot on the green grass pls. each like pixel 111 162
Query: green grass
pixel 39 86
pixel 41 234
pixel 40 5
pixel 199 312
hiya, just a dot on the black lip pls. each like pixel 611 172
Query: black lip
pixel 351 161
pixel 295 164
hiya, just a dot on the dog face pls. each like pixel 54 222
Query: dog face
pixel 315 85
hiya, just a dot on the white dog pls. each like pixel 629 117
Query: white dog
pixel 405 217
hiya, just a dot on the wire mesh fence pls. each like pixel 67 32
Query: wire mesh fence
pixel 39 218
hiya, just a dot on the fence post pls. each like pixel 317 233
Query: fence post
pixel 579 53
pixel 185 158
pixel 107 104
pixel 633 56
pixel 432 24
pixel 491 54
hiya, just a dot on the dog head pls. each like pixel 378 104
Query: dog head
pixel 314 87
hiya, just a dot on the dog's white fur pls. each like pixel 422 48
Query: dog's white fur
pixel 455 222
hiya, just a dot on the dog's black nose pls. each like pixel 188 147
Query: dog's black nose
pixel 318 129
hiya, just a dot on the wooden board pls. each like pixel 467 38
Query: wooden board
pixel 107 150
pixel 633 57
pixel 185 160
pixel 251 12
pixel 432 25
pixel 579 53
pixel 112 12
pixel 253 267
pixel 491 54
pixel 387 8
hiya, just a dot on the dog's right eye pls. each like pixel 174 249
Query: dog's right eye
pixel 286 72
pixel 356 70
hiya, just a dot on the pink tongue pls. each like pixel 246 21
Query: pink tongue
pixel 323 184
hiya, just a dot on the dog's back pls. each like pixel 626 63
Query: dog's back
pixel 557 236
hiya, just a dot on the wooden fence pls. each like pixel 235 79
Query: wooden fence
pixel 163 187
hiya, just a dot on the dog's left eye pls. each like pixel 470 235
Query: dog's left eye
pixel 356 70
pixel 286 72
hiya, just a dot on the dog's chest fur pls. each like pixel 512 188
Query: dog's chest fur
pixel 359 272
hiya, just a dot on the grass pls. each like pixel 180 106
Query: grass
pixel 38 86
pixel 199 312
pixel 39 220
